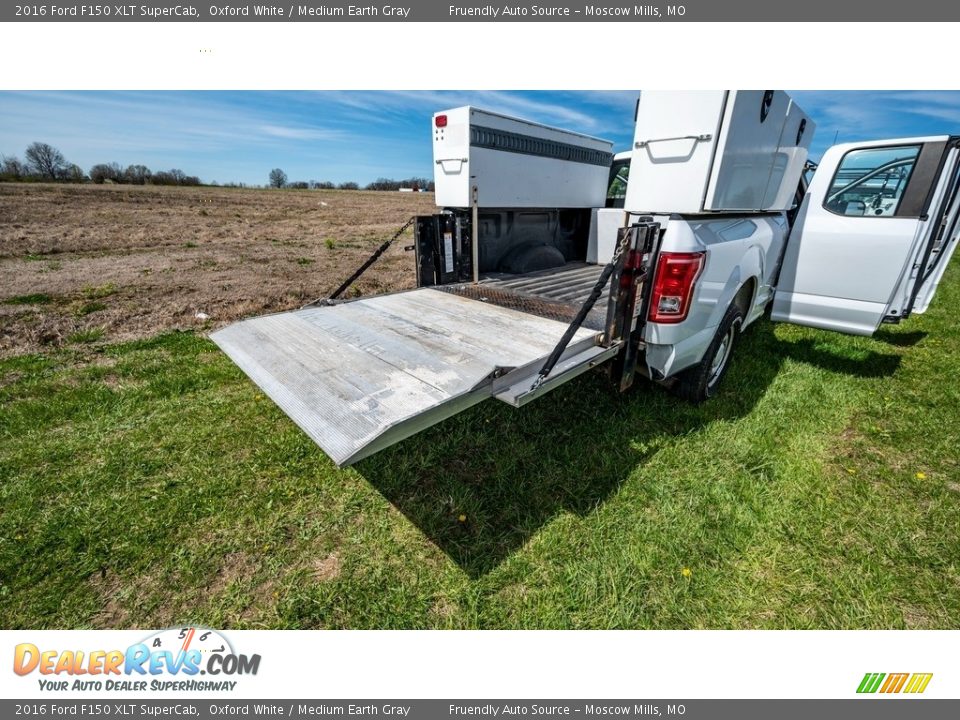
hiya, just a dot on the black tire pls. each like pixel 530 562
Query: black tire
pixel 700 382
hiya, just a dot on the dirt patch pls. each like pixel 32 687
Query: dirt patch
pixel 443 609
pixel 113 614
pixel 11 378
pixel 328 568
pixel 917 619
pixel 235 566
pixel 263 596
pixel 850 434
pixel 168 254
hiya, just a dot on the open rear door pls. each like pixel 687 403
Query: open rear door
pixel 874 233
pixel 362 375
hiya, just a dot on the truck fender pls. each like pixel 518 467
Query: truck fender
pixel 749 268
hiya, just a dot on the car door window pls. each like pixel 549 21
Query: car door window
pixel 870 182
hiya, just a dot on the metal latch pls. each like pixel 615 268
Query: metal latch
pixel 705 137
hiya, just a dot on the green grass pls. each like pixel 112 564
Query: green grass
pixel 33 299
pixel 150 483
pixel 89 335
pixel 89 308
pixel 98 292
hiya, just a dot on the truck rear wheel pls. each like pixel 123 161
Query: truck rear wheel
pixel 700 382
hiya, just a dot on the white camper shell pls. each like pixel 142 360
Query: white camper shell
pixel 513 163
pixel 720 151
pixel 544 263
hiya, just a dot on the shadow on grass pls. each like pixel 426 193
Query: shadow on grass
pixel 899 339
pixel 869 364
pixel 484 482
pixel 481 484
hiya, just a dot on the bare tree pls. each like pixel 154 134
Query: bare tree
pixel 11 168
pixel 106 171
pixel 137 174
pixel 278 178
pixel 348 186
pixel 45 160
pixel 73 173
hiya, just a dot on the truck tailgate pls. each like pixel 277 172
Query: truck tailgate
pixel 362 375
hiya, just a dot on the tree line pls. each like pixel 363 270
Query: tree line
pixel 278 179
pixel 44 162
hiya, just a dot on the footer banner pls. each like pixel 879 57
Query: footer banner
pixel 918 709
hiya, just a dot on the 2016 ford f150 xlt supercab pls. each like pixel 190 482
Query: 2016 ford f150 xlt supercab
pixel 551 256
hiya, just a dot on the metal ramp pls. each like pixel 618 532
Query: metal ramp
pixel 363 375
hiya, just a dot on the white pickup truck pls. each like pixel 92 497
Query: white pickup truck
pixel 551 256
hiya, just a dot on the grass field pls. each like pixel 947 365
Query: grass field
pixel 149 483
pixel 120 262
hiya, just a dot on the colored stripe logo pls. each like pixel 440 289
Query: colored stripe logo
pixel 913 683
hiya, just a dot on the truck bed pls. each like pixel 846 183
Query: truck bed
pixel 556 294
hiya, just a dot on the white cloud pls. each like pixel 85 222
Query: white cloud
pixel 288 132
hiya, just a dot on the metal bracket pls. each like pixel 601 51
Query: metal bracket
pixel 705 137
pixel 500 370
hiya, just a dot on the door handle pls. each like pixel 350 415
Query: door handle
pixel 461 161
pixel 705 137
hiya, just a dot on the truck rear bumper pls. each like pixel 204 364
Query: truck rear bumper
pixel 665 361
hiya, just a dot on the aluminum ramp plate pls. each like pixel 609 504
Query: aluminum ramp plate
pixel 363 375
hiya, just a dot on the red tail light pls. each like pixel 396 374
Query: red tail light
pixel 440 121
pixel 673 286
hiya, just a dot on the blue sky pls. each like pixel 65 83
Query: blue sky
pixel 340 136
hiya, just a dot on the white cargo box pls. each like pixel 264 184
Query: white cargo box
pixel 792 154
pixel 717 151
pixel 515 163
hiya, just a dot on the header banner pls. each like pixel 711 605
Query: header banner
pixel 433 11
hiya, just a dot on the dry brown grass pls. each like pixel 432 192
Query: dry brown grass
pixel 132 261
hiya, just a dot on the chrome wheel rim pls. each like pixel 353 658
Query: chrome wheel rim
pixel 722 355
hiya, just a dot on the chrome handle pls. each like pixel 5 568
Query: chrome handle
pixel 462 161
pixel 696 138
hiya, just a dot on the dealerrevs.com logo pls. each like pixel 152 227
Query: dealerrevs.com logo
pixel 178 659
